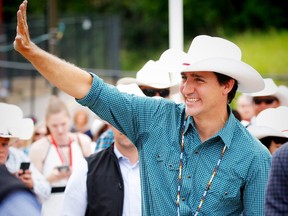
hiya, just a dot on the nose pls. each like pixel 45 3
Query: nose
pixel 187 88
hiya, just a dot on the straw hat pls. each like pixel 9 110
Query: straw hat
pixel 216 54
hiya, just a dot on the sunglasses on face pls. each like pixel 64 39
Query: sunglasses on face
pixel 264 100
pixel 153 92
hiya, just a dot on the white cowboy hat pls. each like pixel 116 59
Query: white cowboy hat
pixel 263 131
pixel 216 54
pixel 270 122
pixel 130 89
pixel 151 74
pixel 12 123
pixel 283 95
pixel 271 89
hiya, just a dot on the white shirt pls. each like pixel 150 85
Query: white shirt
pixel 75 196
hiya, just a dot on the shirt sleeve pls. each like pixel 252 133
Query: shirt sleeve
pixel 76 192
pixel 41 186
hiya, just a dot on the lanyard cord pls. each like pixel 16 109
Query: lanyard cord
pixel 59 153
pixel 180 174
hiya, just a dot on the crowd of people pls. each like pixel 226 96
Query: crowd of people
pixel 164 143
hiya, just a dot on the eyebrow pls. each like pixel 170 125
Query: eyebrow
pixel 195 75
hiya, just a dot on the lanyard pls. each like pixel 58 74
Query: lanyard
pixel 180 174
pixel 61 156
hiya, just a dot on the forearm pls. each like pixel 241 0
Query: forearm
pixel 66 76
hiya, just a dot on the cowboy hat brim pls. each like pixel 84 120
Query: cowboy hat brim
pixel 263 131
pixel 249 80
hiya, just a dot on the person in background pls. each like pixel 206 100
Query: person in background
pixel 19 128
pixel 40 131
pixel 58 153
pixel 276 191
pixel 276 197
pixel 81 122
pixel 191 155
pixel 270 128
pixel 108 183
pixel 270 97
pixel 244 106
pixel 15 198
pixel 153 80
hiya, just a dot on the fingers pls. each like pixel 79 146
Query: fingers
pixel 22 39
pixel 24 9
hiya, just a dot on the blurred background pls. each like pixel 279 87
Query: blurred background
pixel 115 38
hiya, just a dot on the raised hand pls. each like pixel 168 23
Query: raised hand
pixel 22 40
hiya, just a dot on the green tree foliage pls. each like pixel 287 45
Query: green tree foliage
pixel 145 22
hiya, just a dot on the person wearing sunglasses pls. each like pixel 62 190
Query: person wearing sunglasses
pixel 270 97
pixel 154 81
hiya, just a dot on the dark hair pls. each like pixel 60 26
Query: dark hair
pixel 223 79
pixel 267 140
pixel 236 114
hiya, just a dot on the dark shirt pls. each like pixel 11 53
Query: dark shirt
pixel 276 197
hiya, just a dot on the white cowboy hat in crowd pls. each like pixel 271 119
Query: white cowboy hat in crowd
pixel 271 89
pixel 270 122
pixel 283 95
pixel 216 54
pixel 12 123
pixel 130 89
pixel 151 74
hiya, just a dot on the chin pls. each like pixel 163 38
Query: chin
pixel 192 111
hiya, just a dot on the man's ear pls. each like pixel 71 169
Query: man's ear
pixel 228 86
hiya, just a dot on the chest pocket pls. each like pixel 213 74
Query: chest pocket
pixel 168 162
pixel 228 192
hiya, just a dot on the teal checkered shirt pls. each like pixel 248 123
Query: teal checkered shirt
pixel 155 126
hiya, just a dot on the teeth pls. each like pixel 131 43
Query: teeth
pixel 192 99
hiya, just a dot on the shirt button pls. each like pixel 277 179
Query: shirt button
pixel 183 199
pixel 189 176
pixel 226 193
pixel 196 152
pixel 120 186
